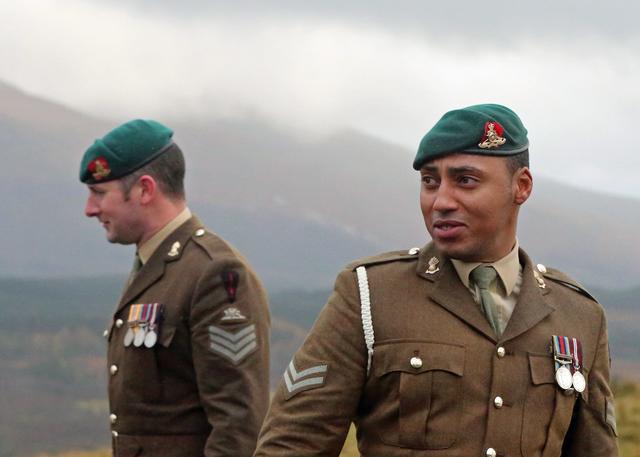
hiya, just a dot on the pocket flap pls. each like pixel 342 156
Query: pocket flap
pixel 396 356
pixel 167 332
pixel 542 369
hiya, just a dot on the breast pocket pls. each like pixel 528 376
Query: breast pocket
pixel 547 409
pixel 144 381
pixel 422 383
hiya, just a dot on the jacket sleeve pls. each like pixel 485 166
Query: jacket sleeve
pixel 229 324
pixel 593 427
pixel 318 396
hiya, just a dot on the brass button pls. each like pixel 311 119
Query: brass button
pixel 491 452
pixel 105 333
pixel 414 251
pixel 113 418
pixel 200 232
pixel 114 433
pixel 541 268
pixel 498 402
pixel 113 369
pixel 416 362
pixel 501 352
pixel 119 323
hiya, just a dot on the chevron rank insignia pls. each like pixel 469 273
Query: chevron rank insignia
pixel 234 346
pixel 299 381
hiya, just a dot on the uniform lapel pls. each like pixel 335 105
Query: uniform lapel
pixel 532 306
pixel 449 292
pixel 153 270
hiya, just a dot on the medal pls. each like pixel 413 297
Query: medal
pixel 579 383
pixel 563 359
pixel 564 378
pixel 141 332
pixel 151 337
pixel 138 339
pixel 128 336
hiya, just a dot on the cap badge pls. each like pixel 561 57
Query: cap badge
pixel 433 266
pixel 492 137
pixel 99 168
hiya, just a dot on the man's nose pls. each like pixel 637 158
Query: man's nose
pixel 445 199
pixel 91 209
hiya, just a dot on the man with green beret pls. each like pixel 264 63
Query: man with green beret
pixel 188 342
pixel 462 348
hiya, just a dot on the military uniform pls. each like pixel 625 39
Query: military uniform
pixel 202 389
pixel 405 353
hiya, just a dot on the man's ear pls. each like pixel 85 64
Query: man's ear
pixel 148 189
pixel 523 183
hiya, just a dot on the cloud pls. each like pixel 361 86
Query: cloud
pixel 387 71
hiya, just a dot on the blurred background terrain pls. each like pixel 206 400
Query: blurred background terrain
pixel 298 209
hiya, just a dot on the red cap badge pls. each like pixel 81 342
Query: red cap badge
pixel 492 137
pixel 99 168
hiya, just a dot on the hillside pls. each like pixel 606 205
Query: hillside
pixel 53 356
pixel 299 206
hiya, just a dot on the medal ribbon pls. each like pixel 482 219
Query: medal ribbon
pixel 561 351
pixel 130 319
pixel 577 354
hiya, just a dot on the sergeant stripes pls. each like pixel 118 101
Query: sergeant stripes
pixel 234 346
pixel 292 377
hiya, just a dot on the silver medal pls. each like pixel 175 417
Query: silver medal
pixel 150 339
pixel 579 383
pixel 128 337
pixel 564 378
pixel 139 337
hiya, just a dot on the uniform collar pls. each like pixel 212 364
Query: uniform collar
pixel 508 269
pixel 149 247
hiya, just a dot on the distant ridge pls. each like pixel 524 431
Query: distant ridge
pixel 300 207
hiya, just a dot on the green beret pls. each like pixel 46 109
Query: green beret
pixel 492 130
pixel 124 150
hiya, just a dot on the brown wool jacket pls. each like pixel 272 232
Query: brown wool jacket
pixel 202 390
pixel 437 370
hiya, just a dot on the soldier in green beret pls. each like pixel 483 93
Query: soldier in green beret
pixel 188 342
pixel 464 347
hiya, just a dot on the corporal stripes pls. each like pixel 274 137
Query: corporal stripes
pixel 299 381
pixel 235 346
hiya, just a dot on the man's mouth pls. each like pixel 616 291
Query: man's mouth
pixel 446 229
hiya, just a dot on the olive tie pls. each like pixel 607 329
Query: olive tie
pixel 137 265
pixel 482 277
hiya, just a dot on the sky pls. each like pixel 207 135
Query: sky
pixel 570 69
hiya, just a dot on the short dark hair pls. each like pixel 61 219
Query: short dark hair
pixel 517 161
pixel 168 170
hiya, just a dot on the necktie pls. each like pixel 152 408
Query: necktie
pixel 482 277
pixel 137 265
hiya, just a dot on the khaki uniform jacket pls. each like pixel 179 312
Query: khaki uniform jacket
pixel 202 390
pixel 447 404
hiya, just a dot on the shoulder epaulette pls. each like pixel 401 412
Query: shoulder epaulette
pixel 387 257
pixel 565 280
pixel 211 243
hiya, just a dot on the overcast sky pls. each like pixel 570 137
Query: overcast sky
pixel 570 69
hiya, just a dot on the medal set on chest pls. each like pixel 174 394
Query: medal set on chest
pixel 143 325
pixel 567 354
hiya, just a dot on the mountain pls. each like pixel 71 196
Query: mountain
pixel 298 205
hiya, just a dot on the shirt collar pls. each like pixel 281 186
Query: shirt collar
pixel 508 269
pixel 149 247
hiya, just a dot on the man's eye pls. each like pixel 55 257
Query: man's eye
pixel 428 180
pixel 467 180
